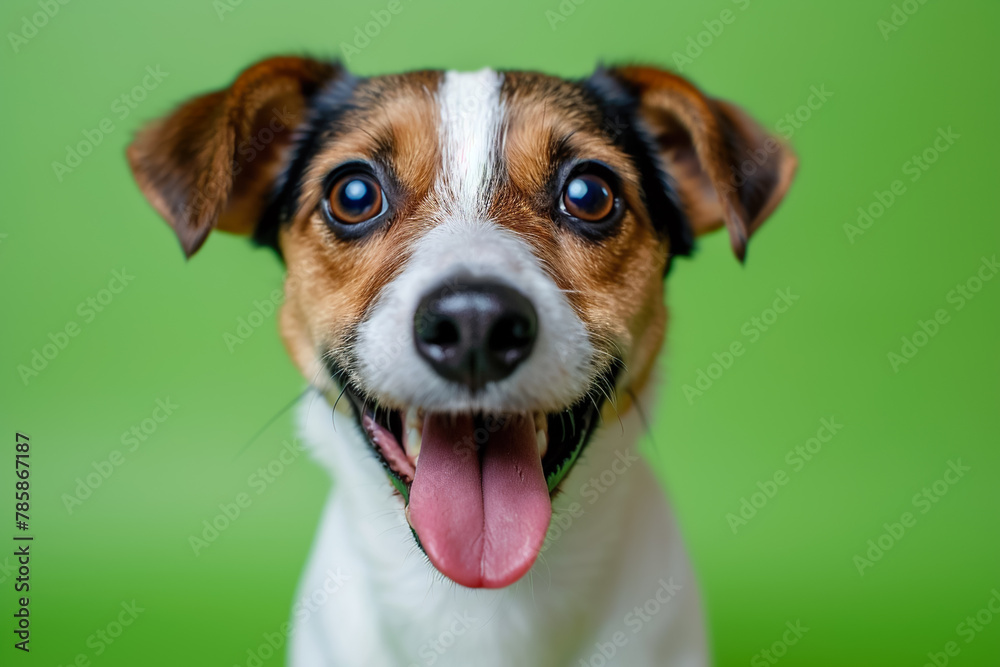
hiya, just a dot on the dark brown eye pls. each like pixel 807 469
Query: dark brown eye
pixel 588 197
pixel 355 198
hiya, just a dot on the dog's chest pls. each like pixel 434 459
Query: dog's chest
pixel 612 548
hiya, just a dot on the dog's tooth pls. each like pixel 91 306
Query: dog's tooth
pixel 541 433
pixel 413 444
pixel 541 422
pixel 414 418
pixel 414 429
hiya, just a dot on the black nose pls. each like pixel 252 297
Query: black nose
pixel 474 332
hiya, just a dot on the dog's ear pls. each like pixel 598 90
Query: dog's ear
pixel 726 167
pixel 212 162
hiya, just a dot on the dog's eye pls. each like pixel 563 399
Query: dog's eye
pixel 588 197
pixel 355 198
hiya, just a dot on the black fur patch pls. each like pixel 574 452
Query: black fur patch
pixel 328 106
pixel 619 106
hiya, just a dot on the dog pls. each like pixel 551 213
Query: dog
pixel 475 292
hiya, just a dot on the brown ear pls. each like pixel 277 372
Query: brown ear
pixel 212 162
pixel 726 167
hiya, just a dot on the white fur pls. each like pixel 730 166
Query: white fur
pixel 395 610
pixel 471 113
pixel 559 370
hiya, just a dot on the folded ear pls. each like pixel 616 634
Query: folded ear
pixel 726 167
pixel 213 161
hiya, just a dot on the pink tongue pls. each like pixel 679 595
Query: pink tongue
pixel 481 525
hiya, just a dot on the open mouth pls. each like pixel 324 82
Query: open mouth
pixel 478 487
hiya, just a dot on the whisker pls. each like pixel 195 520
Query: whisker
pixel 646 425
pixel 336 403
pixel 270 422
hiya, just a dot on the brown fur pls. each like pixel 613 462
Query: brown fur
pixel 705 145
pixel 184 165
pixel 187 166
pixel 332 283
pixel 615 286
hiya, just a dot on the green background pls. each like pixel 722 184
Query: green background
pixel 162 337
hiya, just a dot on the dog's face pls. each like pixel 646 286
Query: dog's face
pixel 475 260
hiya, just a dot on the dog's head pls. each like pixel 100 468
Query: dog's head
pixel 475 260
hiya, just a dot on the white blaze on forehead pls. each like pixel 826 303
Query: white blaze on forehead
pixel 471 119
